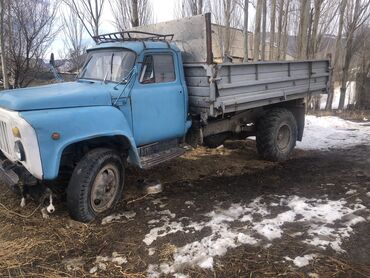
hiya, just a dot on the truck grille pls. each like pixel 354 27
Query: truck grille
pixel 4 138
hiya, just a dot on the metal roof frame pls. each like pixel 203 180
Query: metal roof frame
pixel 131 36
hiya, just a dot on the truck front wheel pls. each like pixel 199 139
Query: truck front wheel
pixel 276 134
pixel 96 184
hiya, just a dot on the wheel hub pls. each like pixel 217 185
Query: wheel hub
pixel 104 188
pixel 283 137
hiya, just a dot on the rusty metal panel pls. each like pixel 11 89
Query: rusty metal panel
pixel 237 43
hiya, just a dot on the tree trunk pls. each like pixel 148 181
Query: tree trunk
pixel 272 30
pixel 257 32
pixel 315 26
pixel 338 43
pixel 347 60
pixel 227 17
pixel 2 47
pixel 285 26
pixel 303 29
pixel 245 31
pixel 280 28
pixel 348 54
pixel 135 13
pixel 96 19
pixel 264 13
pixel 200 7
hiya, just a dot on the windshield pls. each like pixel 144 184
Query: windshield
pixel 108 65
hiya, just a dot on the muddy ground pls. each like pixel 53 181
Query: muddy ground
pixel 193 186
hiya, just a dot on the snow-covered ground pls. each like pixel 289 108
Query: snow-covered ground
pixel 333 132
pixel 326 223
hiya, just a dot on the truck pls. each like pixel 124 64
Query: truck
pixel 140 97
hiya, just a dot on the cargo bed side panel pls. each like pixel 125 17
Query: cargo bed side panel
pixel 228 87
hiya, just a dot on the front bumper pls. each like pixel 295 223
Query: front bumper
pixel 12 174
pixel 7 175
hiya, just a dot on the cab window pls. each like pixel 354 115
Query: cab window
pixel 157 68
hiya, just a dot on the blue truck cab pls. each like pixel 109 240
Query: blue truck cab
pixel 129 94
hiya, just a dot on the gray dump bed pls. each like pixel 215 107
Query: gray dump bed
pixel 225 88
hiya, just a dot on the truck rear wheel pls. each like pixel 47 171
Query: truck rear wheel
pixel 96 184
pixel 276 134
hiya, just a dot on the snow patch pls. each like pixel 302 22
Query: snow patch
pixel 189 203
pixel 351 192
pixel 271 228
pixel 333 132
pixel 102 262
pixel 301 261
pixel 167 228
pixel 321 215
pixel 117 216
pixel 327 223
pixel 159 202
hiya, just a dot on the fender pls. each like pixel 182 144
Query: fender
pixel 75 125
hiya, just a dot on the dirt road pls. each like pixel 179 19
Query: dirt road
pixel 223 213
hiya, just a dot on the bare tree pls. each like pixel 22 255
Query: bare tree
pixel 89 12
pixel 2 46
pixel 187 8
pixel 272 30
pixel 343 4
pixel 280 28
pixel 257 31
pixel 228 8
pixel 303 29
pixel 73 38
pixel 225 13
pixel 244 5
pixel 131 13
pixel 315 27
pixel 327 23
pixel 264 14
pixel 30 30
pixel 245 30
pixel 357 13
pixel 362 79
pixel 285 29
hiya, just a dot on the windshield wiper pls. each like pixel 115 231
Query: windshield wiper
pixel 111 69
pixel 105 77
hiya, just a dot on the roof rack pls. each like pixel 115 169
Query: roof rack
pixel 131 36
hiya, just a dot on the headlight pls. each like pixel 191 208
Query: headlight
pixel 19 151
pixel 16 132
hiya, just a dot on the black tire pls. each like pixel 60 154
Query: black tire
pixel 84 178
pixel 276 134
pixel 215 140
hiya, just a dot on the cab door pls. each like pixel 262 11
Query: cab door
pixel 158 99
